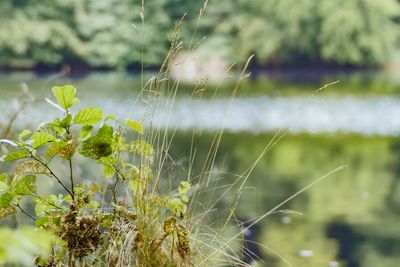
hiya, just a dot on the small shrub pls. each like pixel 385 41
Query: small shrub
pixel 93 224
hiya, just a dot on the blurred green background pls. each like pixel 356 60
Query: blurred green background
pixel 111 33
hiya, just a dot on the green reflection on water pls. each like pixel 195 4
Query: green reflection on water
pixel 364 197
pixel 358 206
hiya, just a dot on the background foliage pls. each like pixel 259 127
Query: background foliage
pixel 111 33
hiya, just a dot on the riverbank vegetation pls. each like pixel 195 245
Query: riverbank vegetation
pixel 121 217
pixel 120 34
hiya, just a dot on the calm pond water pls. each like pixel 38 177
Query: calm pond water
pixel 351 218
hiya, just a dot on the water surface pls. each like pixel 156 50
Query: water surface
pixel 349 219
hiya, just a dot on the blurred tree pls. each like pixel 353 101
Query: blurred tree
pixel 111 33
pixel 37 32
pixel 116 36
pixel 358 32
pixel 101 33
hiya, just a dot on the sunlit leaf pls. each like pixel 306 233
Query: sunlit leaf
pixel 40 221
pixel 176 206
pixel 41 138
pixel 184 198
pixel 23 134
pixel 88 116
pixel 108 166
pixel 135 125
pixel 5 199
pixel 85 132
pixel 184 187
pixel 14 155
pixel 46 204
pixel 3 186
pixel 110 117
pixel 65 95
pixel 66 121
pixel 108 171
pixel 53 128
pixel 3 177
pixel 26 185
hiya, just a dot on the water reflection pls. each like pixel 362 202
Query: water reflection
pixel 368 116
pixel 349 219
pixel 343 221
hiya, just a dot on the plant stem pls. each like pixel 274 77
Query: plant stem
pixel 114 190
pixel 71 178
pixel 24 212
pixel 54 176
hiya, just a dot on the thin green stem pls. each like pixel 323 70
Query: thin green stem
pixel 53 175
pixel 71 177
pixel 114 190
pixel 25 212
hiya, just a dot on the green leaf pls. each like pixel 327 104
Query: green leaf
pixel 26 185
pixel 5 199
pixel 88 116
pixel 108 160
pixel 110 117
pixel 23 134
pixel 108 166
pixel 99 145
pixel 184 198
pixel 135 125
pixel 52 128
pixel 65 96
pixel 41 221
pixel 3 177
pixel 184 188
pixel 94 204
pixel 176 206
pixel 142 148
pixel 14 155
pixel 64 123
pixel 108 171
pixel 86 132
pixel 46 204
pixel 64 149
pixel 41 138
pixel 30 167
pixel 3 186
pixel 55 148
